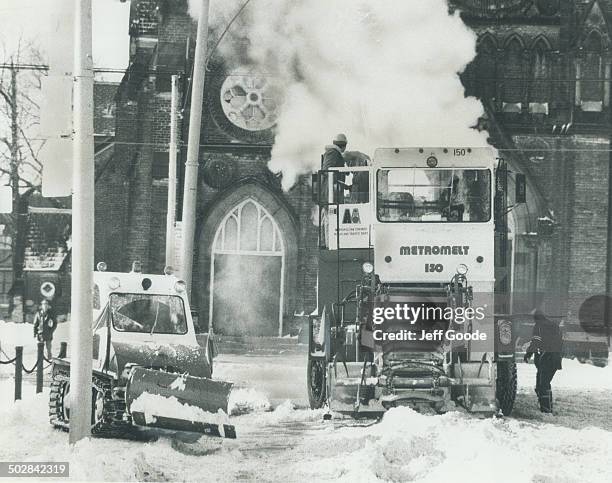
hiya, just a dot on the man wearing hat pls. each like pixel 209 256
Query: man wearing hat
pixel 45 324
pixel 547 345
pixel 333 158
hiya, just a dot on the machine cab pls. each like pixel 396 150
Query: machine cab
pixel 434 214
pixel 144 316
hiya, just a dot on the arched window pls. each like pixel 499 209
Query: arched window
pixel 486 75
pixel 514 75
pixel 592 73
pixel 247 273
pixel 540 89
pixel 248 228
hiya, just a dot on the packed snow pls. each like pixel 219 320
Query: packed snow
pixel 154 405
pixel 279 440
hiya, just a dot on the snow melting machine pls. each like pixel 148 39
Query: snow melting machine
pixel 406 286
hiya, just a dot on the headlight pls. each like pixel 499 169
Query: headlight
pixel 114 283
pixel 505 332
pixel 462 269
pixel 101 266
pixel 367 268
pixel 180 286
pixel 168 270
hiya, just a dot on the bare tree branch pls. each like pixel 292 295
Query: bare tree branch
pixel 29 145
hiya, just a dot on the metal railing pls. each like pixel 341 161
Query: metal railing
pixel 38 366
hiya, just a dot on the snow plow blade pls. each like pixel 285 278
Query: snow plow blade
pixel 194 392
pixel 173 424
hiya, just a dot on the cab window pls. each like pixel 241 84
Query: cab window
pixel 153 314
pixel 433 195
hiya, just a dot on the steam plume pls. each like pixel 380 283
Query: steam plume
pixel 384 72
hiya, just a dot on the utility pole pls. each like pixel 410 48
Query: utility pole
pixel 14 141
pixel 193 147
pixel 170 216
pixel 82 227
pixel 18 236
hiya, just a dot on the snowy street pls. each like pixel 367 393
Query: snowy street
pixel 282 440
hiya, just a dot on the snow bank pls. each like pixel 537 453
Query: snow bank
pixel 574 375
pixel 12 334
pixel 408 446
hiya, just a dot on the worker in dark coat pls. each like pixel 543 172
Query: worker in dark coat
pixel 333 158
pixel 547 345
pixel 333 155
pixel 45 324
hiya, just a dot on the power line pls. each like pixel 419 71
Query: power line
pixel 264 73
pixel 269 146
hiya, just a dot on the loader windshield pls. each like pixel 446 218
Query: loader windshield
pixel 152 314
pixel 417 195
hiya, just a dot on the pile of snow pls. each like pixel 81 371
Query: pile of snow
pixel 247 400
pixel 408 446
pixel 574 375
pixel 12 334
pixel 583 376
pixel 154 405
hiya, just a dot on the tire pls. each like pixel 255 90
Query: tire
pixel 317 383
pixel 505 387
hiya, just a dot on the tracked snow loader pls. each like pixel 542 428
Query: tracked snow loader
pixel 406 288
pixel 144 349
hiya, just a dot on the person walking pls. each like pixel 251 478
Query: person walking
pixel 45 324
pixel 547 345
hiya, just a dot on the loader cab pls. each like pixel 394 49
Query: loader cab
pixel 143 315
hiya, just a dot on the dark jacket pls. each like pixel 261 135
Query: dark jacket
pixel 332 157
pixel 44 325
pixel 547 340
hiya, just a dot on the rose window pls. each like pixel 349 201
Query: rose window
pixel 250 101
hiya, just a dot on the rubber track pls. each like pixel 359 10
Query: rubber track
pixel 110 425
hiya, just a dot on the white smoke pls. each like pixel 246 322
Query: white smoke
pixel 384 72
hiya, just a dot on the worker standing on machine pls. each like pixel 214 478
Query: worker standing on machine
pixel 333 155
pixel 547 345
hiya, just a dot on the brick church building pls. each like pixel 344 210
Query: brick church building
pixel 542 72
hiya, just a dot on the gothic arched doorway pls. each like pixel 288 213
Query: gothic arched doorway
pixel 247 273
